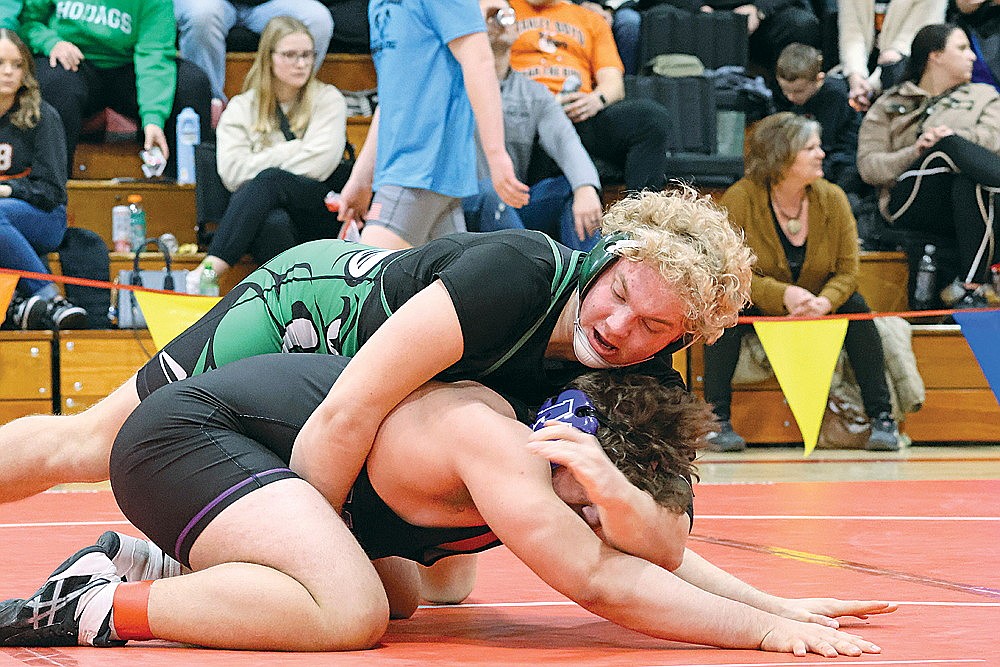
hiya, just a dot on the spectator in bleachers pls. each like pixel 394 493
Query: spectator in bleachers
pixel 436 85
pixel 118 54
pixel 9 11
pixel 807 91
pixel 202 26
pixel 805 237
pixel 981 21
pixel 32 191
pixel 565 46
pixel 772 24
pixel 931 144
pixel 880 34
pixel 566 207
pixel 279 143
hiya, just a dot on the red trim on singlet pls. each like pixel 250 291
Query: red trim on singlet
pixel 471 543
pixel 10 177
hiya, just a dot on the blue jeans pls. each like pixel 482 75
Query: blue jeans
pixel 25 233
pixel 550 210
pixel 204 24
pixel 627 23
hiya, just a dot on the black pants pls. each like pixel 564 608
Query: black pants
pixel 632 135
pixel 864 350
pixel 947 203
pixel 78 95
pixel 270 213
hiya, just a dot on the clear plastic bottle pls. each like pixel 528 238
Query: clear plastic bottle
pixel 121 229
pixel 188 136
pixel 209 282
pixel 137 222
pixel 925 283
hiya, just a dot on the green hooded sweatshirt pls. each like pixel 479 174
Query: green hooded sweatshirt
pixel 113 33
pixel 9 9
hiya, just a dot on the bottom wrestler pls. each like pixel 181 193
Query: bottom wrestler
pixel 201 467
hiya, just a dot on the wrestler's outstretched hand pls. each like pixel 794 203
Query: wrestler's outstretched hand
pixel 798 638
pixel 825 611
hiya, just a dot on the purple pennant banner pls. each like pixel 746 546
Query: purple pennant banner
pixel 982 331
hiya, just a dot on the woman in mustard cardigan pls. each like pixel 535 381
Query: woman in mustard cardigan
pixel 806 241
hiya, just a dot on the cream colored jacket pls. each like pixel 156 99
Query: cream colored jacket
pixel 856 26
pixel 242 153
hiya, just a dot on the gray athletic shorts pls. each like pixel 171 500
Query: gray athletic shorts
pixel 416 215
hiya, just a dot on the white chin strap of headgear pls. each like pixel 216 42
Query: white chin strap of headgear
pixel 584 351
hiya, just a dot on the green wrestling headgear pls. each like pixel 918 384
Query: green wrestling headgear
pixel 600 258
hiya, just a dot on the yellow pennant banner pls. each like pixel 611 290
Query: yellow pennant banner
pixel 167 315
pixel 804 355
pixel 7 284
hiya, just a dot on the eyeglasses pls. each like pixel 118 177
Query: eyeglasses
pixel 296 56
pixel 503 16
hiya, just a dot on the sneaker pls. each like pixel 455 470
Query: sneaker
pixel 28 313
pixel 726 439
pixel 53 616
pixel 135 559
pixel 885 435
pixel 65 315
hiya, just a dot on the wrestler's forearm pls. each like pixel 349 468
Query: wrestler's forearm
pixel 699 572
pixel 648 599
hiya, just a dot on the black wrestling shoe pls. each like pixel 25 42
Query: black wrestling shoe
pixel 52 616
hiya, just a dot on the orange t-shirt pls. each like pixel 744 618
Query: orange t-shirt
pixel 559 39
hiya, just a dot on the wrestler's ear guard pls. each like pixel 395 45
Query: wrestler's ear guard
pixel 572 407
pixel 600 258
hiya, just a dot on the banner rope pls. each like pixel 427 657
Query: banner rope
pixel 87 282
pixel 744 319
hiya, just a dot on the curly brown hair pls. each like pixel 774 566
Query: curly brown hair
pixel 651 432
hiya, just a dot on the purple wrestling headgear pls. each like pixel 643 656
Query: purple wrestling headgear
pixel 570 407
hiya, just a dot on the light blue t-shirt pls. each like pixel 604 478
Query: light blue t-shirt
pixel 426 129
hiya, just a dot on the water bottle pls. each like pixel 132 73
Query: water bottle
pixel 121 229
pixel 188 135
pixel 926 280
pixel 137 222
pixel 571 84
pixel 209 283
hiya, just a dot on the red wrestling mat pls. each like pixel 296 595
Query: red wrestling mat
pixel 929 545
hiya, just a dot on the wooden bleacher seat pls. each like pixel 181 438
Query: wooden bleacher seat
pixel 25 373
